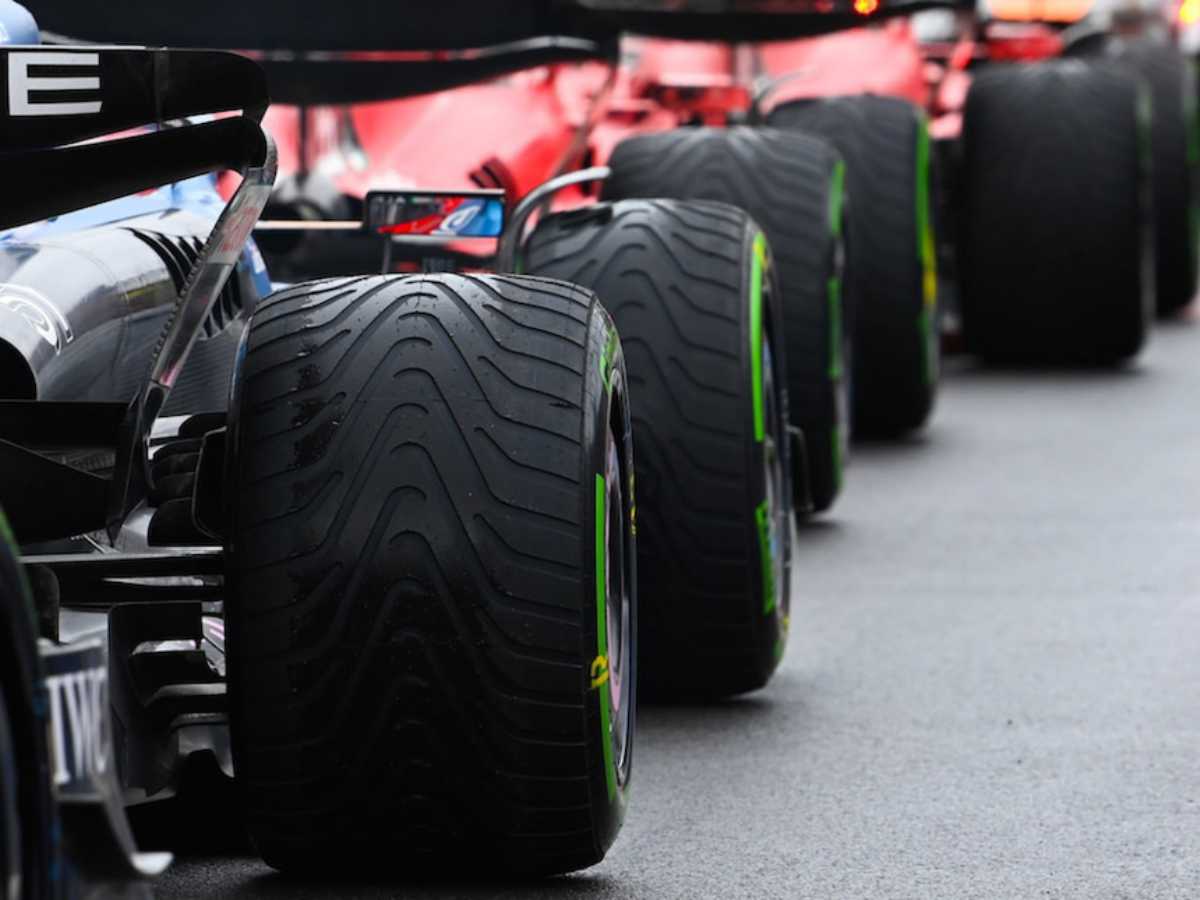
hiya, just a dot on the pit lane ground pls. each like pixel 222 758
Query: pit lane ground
pixel 992 688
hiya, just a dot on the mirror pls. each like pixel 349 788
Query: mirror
pixel 465 214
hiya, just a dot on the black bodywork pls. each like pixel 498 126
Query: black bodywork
pixel 120 528
pixel 303 25
pixel 167 695
pixel 133 301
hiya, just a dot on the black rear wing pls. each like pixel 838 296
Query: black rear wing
pixel 745 20
pixel 310 25
pixel 56 98
pixel 306 26
pixel 57 101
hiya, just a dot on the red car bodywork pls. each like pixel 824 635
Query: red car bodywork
pixel 516 132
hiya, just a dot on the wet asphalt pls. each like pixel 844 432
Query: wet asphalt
pixel 992 688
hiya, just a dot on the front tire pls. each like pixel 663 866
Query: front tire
pixel 423 666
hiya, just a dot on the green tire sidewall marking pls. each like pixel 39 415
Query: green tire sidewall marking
pixel 836 371
pixel 610 772
pixel 757 265
pixel 927 254
pixel 834 294
pixel 837 191
pixel 762 515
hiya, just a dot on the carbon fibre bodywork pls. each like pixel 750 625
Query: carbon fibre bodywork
pixel 84 298
pixel 125 280
pixel 368 25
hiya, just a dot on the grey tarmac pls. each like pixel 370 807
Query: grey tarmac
pixel 992 688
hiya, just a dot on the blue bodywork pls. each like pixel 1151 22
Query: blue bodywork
pixel 17 25
pixel 196 195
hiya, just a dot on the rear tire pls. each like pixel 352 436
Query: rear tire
pixel 791 185
pixel 891 281
pixel 692 290
pixel 25 797
pixel 1175 167
pixel 11 880
pixel 422 666
pixel 1054 250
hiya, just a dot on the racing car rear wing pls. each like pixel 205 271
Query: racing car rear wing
pixel 305 26
pixel 58 102
pixel 318 52
pixel 59 98
pixel 746 20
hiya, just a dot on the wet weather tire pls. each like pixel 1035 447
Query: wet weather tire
pixel 692 290
pixel 791 185
pixel 1175 166
pixel 431 601
pixel 1054 250
pixel 25 797
pixel 891 278
pixel 10 819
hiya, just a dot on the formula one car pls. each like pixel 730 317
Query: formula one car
pixel 571 118
pixel 376 560
pixel 673 120
pixel 1037 277
pixel 865 90
pixel 691 287
pixel 1033 156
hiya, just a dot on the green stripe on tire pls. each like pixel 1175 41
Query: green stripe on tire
pixel 757 264
pixel 601 661
pixel 762 516
pixel 834 286
pixel 837 190
pixel 927 254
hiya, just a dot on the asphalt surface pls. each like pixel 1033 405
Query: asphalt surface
pixel 992 688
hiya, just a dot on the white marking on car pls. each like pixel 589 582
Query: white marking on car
pixel 22 85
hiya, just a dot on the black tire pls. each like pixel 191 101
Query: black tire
pixel 421 661
pixel 1054 250
pixel 791 185
pixel 11 854
pixel 24 717
pixel 692 290
pixel 891 276
pixel 1175 166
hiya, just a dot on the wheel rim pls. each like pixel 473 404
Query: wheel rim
pixel 776 487
pixel 618 614
pixel 10 826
